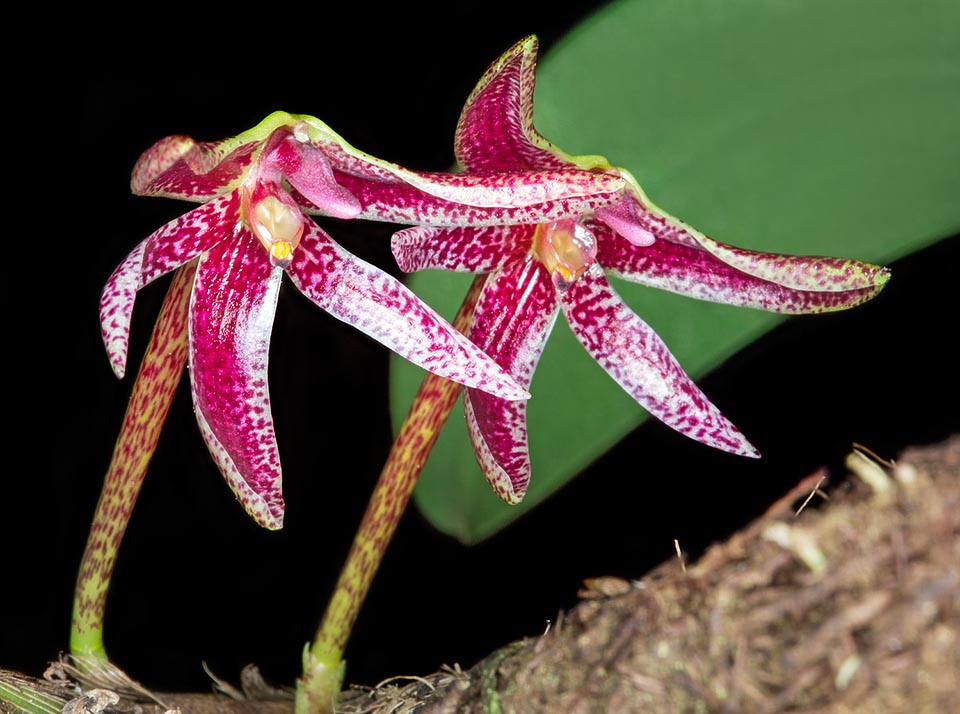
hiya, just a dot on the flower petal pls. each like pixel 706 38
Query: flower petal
pixel 801 272
pixel 639 361
pixel 231 320
pixel 481 200
pixel 166 249
pixel 796 272
pixel 179 167
pixel 495 131
pixel 514 316
pixel 379 180
pixel 383 308
pixel 463 250
pixel 692 271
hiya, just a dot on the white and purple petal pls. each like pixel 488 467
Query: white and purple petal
pixel 179 167
pixel 795 272
pixel 381 307
pixel 166 249
pixel 461 250
pixel 231 320
pixel 496 132
pixel 639 361
pixel 470 200
pixel 514 316
pixel 696 273
pixel 802 272
pixel 503 188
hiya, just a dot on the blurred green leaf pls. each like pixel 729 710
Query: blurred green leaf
pixel 825 127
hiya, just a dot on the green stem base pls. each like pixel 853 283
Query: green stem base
pixel 323 666
pixel 157 380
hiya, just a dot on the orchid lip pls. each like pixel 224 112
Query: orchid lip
pixel 566 249
pixel 277 225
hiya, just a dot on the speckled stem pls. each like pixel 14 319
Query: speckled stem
pixel 153 391
pixel 323 666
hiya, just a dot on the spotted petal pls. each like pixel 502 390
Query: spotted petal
pixel 471 250
pixel 697 273
pixel 166 249
pixel 639 361
pixel 495 131
pixel 795 272
pixel 482 200
pixel 380 306
pixel 231 320
pixel 514 316
pixel 179 167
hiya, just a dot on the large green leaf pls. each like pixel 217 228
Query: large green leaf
pixel 815 127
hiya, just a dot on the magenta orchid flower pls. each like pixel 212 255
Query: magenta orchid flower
pixel 535 271
pixel 251 230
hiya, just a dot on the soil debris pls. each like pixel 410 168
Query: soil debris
pixel 845 605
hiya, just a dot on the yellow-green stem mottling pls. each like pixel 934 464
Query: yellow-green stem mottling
pixel 323 661
pixel 156 383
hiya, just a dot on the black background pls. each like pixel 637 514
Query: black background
pixel 197 580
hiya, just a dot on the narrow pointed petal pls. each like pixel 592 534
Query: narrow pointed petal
pixel 514 316
pixel 795 272
pixel 166 249
pixel 179 167
pixel 801 272
pixel 519 188
pixel 695 273
pixel 495 131
pixel 485 200
pixel 462 250
pixel 231 320
pixel 383 308
pixel 639 361
pixel 379 180
pixel 116 308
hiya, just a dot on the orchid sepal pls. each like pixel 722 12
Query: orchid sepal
pixel 179 167
pixel 389 312
pixel 174 244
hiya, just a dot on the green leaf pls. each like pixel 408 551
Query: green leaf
pixel 826 127
pixel 27 695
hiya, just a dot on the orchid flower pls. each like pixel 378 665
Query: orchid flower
pixel 530 265
pixel 251 230
pixel 537 270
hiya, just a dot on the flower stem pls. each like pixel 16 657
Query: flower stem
pixel 156 383
pixel 323 665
